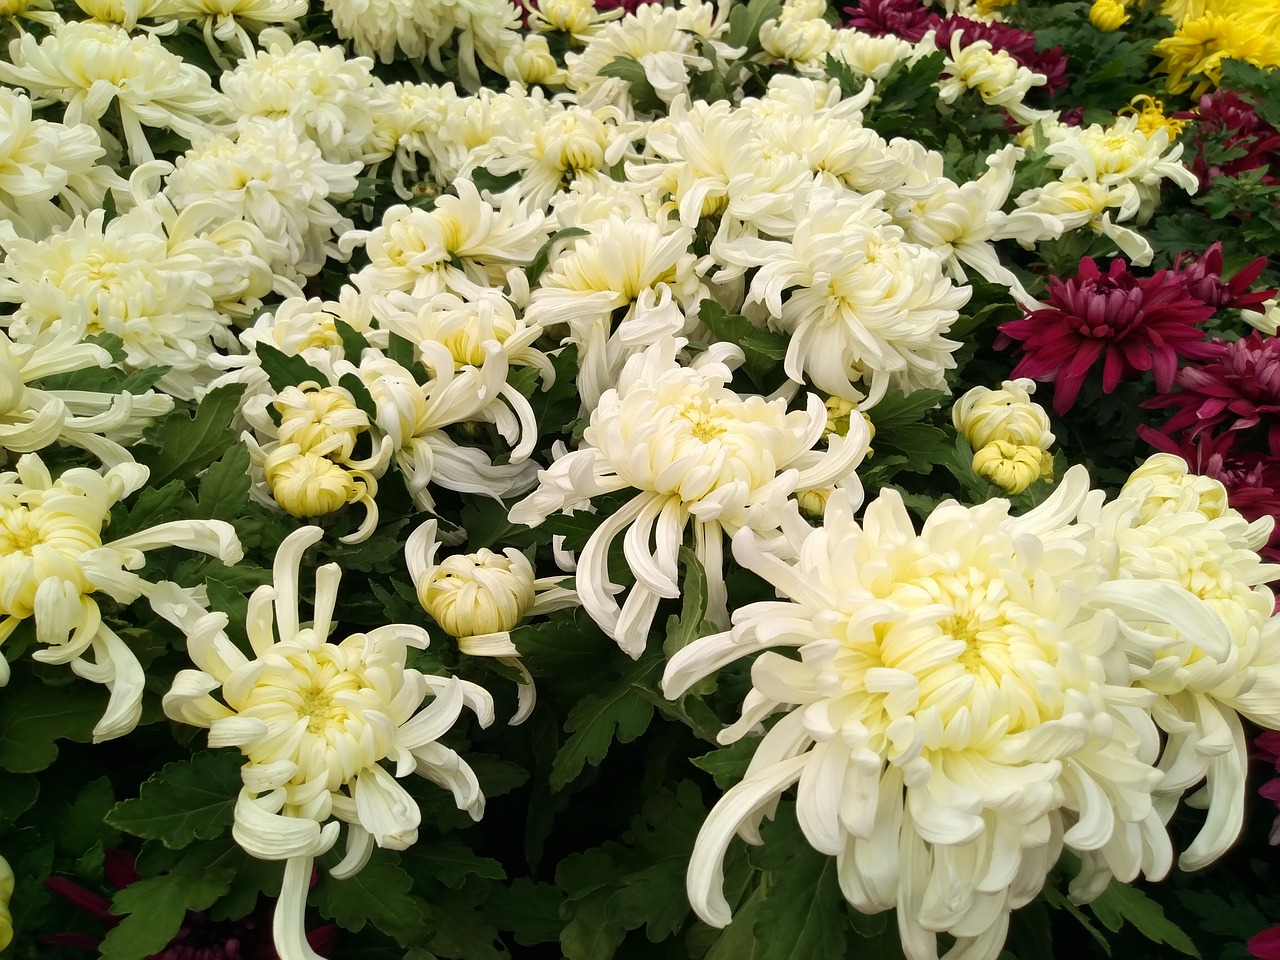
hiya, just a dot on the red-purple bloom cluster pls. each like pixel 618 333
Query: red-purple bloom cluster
pixel 1265 945
pixel 911 20
pixel 1134 324
pixel 1252 477
pixel 1203 277
pixel 1238 385
pixel 1224 118
pixel 628 5
pixel 199 937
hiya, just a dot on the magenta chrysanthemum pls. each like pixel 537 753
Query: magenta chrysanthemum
pixel 1204 279
pixel 1134 324
pixel 1238 385
pixel 1223 117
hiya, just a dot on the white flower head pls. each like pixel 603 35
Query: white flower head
pixel 89 65
pixel 315 721
pixel 53 563
pixel 996 76
pixel 479 598
pixel 957 715
pixel 696 454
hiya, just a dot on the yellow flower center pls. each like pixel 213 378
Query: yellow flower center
pixel 20 531
pixel 317 707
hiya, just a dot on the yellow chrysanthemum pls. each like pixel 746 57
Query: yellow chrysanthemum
pixel 1193 56
pixel 1151 116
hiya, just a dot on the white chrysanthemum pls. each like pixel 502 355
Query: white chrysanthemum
pixel 414 417
pixel 570 143
pixel 659 38
pixel 842 154
pixel 32 418
pixel 463 245
pixel 143 277
pixel 53 564
pixel 48 171
pixel 406 117
pixel 467 127
pixel 37 11
pixel 314 720
pixel 870 56
pixel 983 415
pixel 1072 203
pixel 271 177
pixel 331 99
pixel 1121 157
pixel 127 13
pixel 299 325
pixel 1202 649
pixel 957 715
pixel 862 304
pixel 578 18
pixel 697 454
pixel 88 66
pixel 224 21
pixel 799 35
pixel 479 598
pixel 994 74
pixel 641 267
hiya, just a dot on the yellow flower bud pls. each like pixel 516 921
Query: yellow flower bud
pixel 814 502
pixel 1108 15
pixel 6 892
pixel 839 410
pixel 529 60
pixel 306 484
pixel 1009 414
pixel 479 593
pixel 323 421
pixel 1175 489
pixel 1012 467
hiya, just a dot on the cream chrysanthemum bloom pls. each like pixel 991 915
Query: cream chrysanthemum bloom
pixel 870 56
pixel 89 65
pixel 1195 610
pixel 53 564
pixel 225 21
pixel 315 721
pixel 49 172
pixel 861 302
pixel 270 176
pixel 643 268
pixel 32 418
pixel 1009 433
pixel 479 598
pixel 332 99
pixel 956 717
pixel 994 74
pixel 696 453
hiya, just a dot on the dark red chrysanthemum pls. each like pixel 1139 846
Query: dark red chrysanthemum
pixel 1252 478
pixel 1265 945
pixel 199 937
pixel 1138 324
pixel 1224 118
pixel 908 19
pixel 1239 384
pixel 1203 277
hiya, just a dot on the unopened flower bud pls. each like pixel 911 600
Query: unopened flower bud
pixel 839 410
pixel 1108 15
pixel 529 60
pixel 479 593
pixel 307 484
pixel 1009 414
pixel 1012 467
pixel 814 502
pixel 324 421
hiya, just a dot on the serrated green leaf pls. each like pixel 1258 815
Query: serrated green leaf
pixel 461 929
pixel 179 447
pixel 186 800
pixel 802 912
pixel 156 505
pixel 731 328
pixel 589 934
pixel 682 630
pixel 923 445
pixel 1122 903
pixel 224 488
pixel 1055 899
pixel 450 861
pixel 542 258
pixel 378 895
pixel 620 713
pixel 745 21
pixel 18 792
pixel 729 764
pixel 529 910
pixel 156 909
pixel 897 409
pixel 284 369
pixel 33 717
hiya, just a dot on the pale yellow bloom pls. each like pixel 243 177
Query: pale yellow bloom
pixel 1012 466
pixel 306 484
pixel 6 892
pixel 983 415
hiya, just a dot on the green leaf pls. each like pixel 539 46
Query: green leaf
pixel 1121 903
pixel 759 346
pixel 643 96
pixel 353 341
pixel 450 861
pixel 224 488
pixel 897 409
pixel 283 369
pixel 156 505
pixel 745 21
pixel 682 630
pixel 620 713
pixel 359 393
pixel 528 909
pixel 378 894
pixel 186 800
pixel 461 928
pixel 156 909
pixel 802 912
pixel 33 717
pixel 179 447
pixel 542 258
pixel 729 764
pixel 589 934
pixel 1058 901
pixel 18 792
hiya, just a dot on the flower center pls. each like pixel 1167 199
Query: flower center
pixel 317 708
pixel 20 531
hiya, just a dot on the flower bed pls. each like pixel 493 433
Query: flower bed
pixel 745 481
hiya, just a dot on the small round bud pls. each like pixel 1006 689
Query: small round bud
pixel 307 484
pixel 479 593
pixel 1012 467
